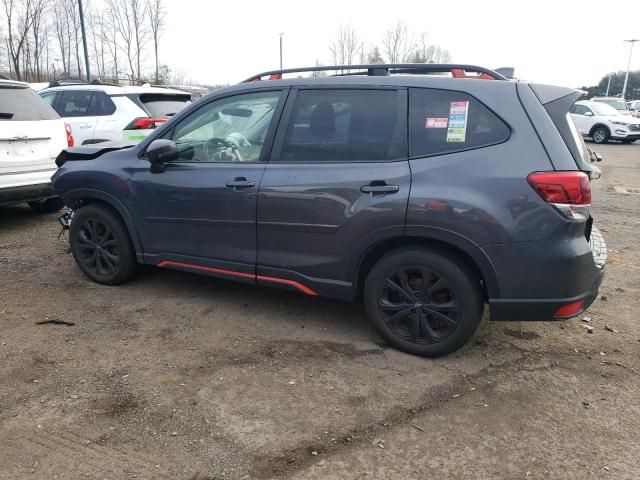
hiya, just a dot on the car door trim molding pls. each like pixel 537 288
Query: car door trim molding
pixel 221 271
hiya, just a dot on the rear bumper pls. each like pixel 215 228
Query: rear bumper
pixel 541 309
pixel 26 193
pixel 565 277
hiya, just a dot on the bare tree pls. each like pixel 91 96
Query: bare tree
pixel 374 55
pixel 19 21
pixel 129 21
pixel 112 38
pixel 62 33
pixel 156 15
pixel 426 53
pixel 137 11
pixel 397 43
pixel 347 46
pixel 40 35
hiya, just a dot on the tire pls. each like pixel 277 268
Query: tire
pixel 413 322
pixel 600 135
pixel 629 140
pixel 101 245
pixel 50 205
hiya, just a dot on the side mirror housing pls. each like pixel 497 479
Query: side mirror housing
pixel 161 151
pixel 588 114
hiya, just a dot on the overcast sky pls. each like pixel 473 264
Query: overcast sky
pixel 564 42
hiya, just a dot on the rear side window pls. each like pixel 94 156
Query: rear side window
pixel 163 105
pixel 105 104
pixel 23 104
pixel 77 103
pixel 443 121
pixel 345 126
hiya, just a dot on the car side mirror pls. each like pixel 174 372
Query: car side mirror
pixel 588 114
pixel 160 152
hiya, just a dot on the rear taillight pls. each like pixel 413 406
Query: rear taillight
pixel 568 192
pixel 67 129
pixel 145 123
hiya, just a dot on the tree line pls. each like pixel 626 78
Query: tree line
pixel 615 87
pixel 42 39
pixel 398 45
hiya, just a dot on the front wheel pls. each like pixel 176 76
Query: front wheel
pixel 101 246
pixel 423 302
pixel 600 135
pixel 49 205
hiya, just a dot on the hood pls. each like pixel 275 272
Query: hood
pixel 91 151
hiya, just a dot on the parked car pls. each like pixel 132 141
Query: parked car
pixel 421 196
pixel 31 137
pixel 634 107
pixel 615 102
pixel 99 113
pixel 602 123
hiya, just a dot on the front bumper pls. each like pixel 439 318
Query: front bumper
pixel 26 193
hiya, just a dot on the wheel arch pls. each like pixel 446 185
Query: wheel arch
pixel 599 125
pixel 464 249
pixel 77 198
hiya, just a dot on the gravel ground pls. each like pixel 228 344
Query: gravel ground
pixel 185 377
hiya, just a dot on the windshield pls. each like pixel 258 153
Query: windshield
pixel 617 104
pixel 604 110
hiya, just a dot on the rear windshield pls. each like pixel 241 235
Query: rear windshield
pixel 23 104
pixel 163 105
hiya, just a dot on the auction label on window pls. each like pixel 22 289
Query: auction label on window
pixel 437 122
pixel 457 129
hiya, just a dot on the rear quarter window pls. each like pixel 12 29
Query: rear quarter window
pixel 23 104
pixel 445 121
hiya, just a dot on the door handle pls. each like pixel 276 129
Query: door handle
pixel 379 187
pixel 240 182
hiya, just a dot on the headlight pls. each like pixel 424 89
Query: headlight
pixel 624 124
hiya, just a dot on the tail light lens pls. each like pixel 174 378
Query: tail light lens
pixel 568 192
pixel 145 123
pixel 70 140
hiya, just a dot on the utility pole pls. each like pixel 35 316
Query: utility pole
pixel 84 41
pixel 626 77
pixel 281 35
pixel 608 85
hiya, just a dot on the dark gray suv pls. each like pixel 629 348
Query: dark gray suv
pixel 423 191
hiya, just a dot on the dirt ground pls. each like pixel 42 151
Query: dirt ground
pixel 184 377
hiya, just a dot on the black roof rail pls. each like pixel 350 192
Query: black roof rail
pixel 63 82
pixel 384 69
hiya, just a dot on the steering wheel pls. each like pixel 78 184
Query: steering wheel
pixel 220 148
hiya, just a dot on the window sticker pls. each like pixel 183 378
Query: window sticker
pixel 457 129
pixel 437 122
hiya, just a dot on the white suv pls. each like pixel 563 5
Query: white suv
pixel 602 122
pixel 99 113
pixel 31 137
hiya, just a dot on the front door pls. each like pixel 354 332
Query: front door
pixel 200 212
pixel 338 179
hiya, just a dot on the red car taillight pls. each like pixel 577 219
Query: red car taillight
pixel 568 192
pixel 67 129
pixel 144 123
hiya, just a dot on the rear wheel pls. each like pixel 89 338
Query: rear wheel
pixel 423 302
pixel 101 246
pixel 600 135
pixel 50 205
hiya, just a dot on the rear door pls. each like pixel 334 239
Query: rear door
pixel 107 121
pixel 338 179
pixel 79 109
pixel 31 136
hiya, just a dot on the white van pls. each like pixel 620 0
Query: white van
pixel 31 137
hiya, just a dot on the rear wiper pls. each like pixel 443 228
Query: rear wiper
pixel 6 116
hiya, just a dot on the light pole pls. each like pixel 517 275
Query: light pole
pixel 608 85
pixel 626 77
pixel 84 41
pixel 281 35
